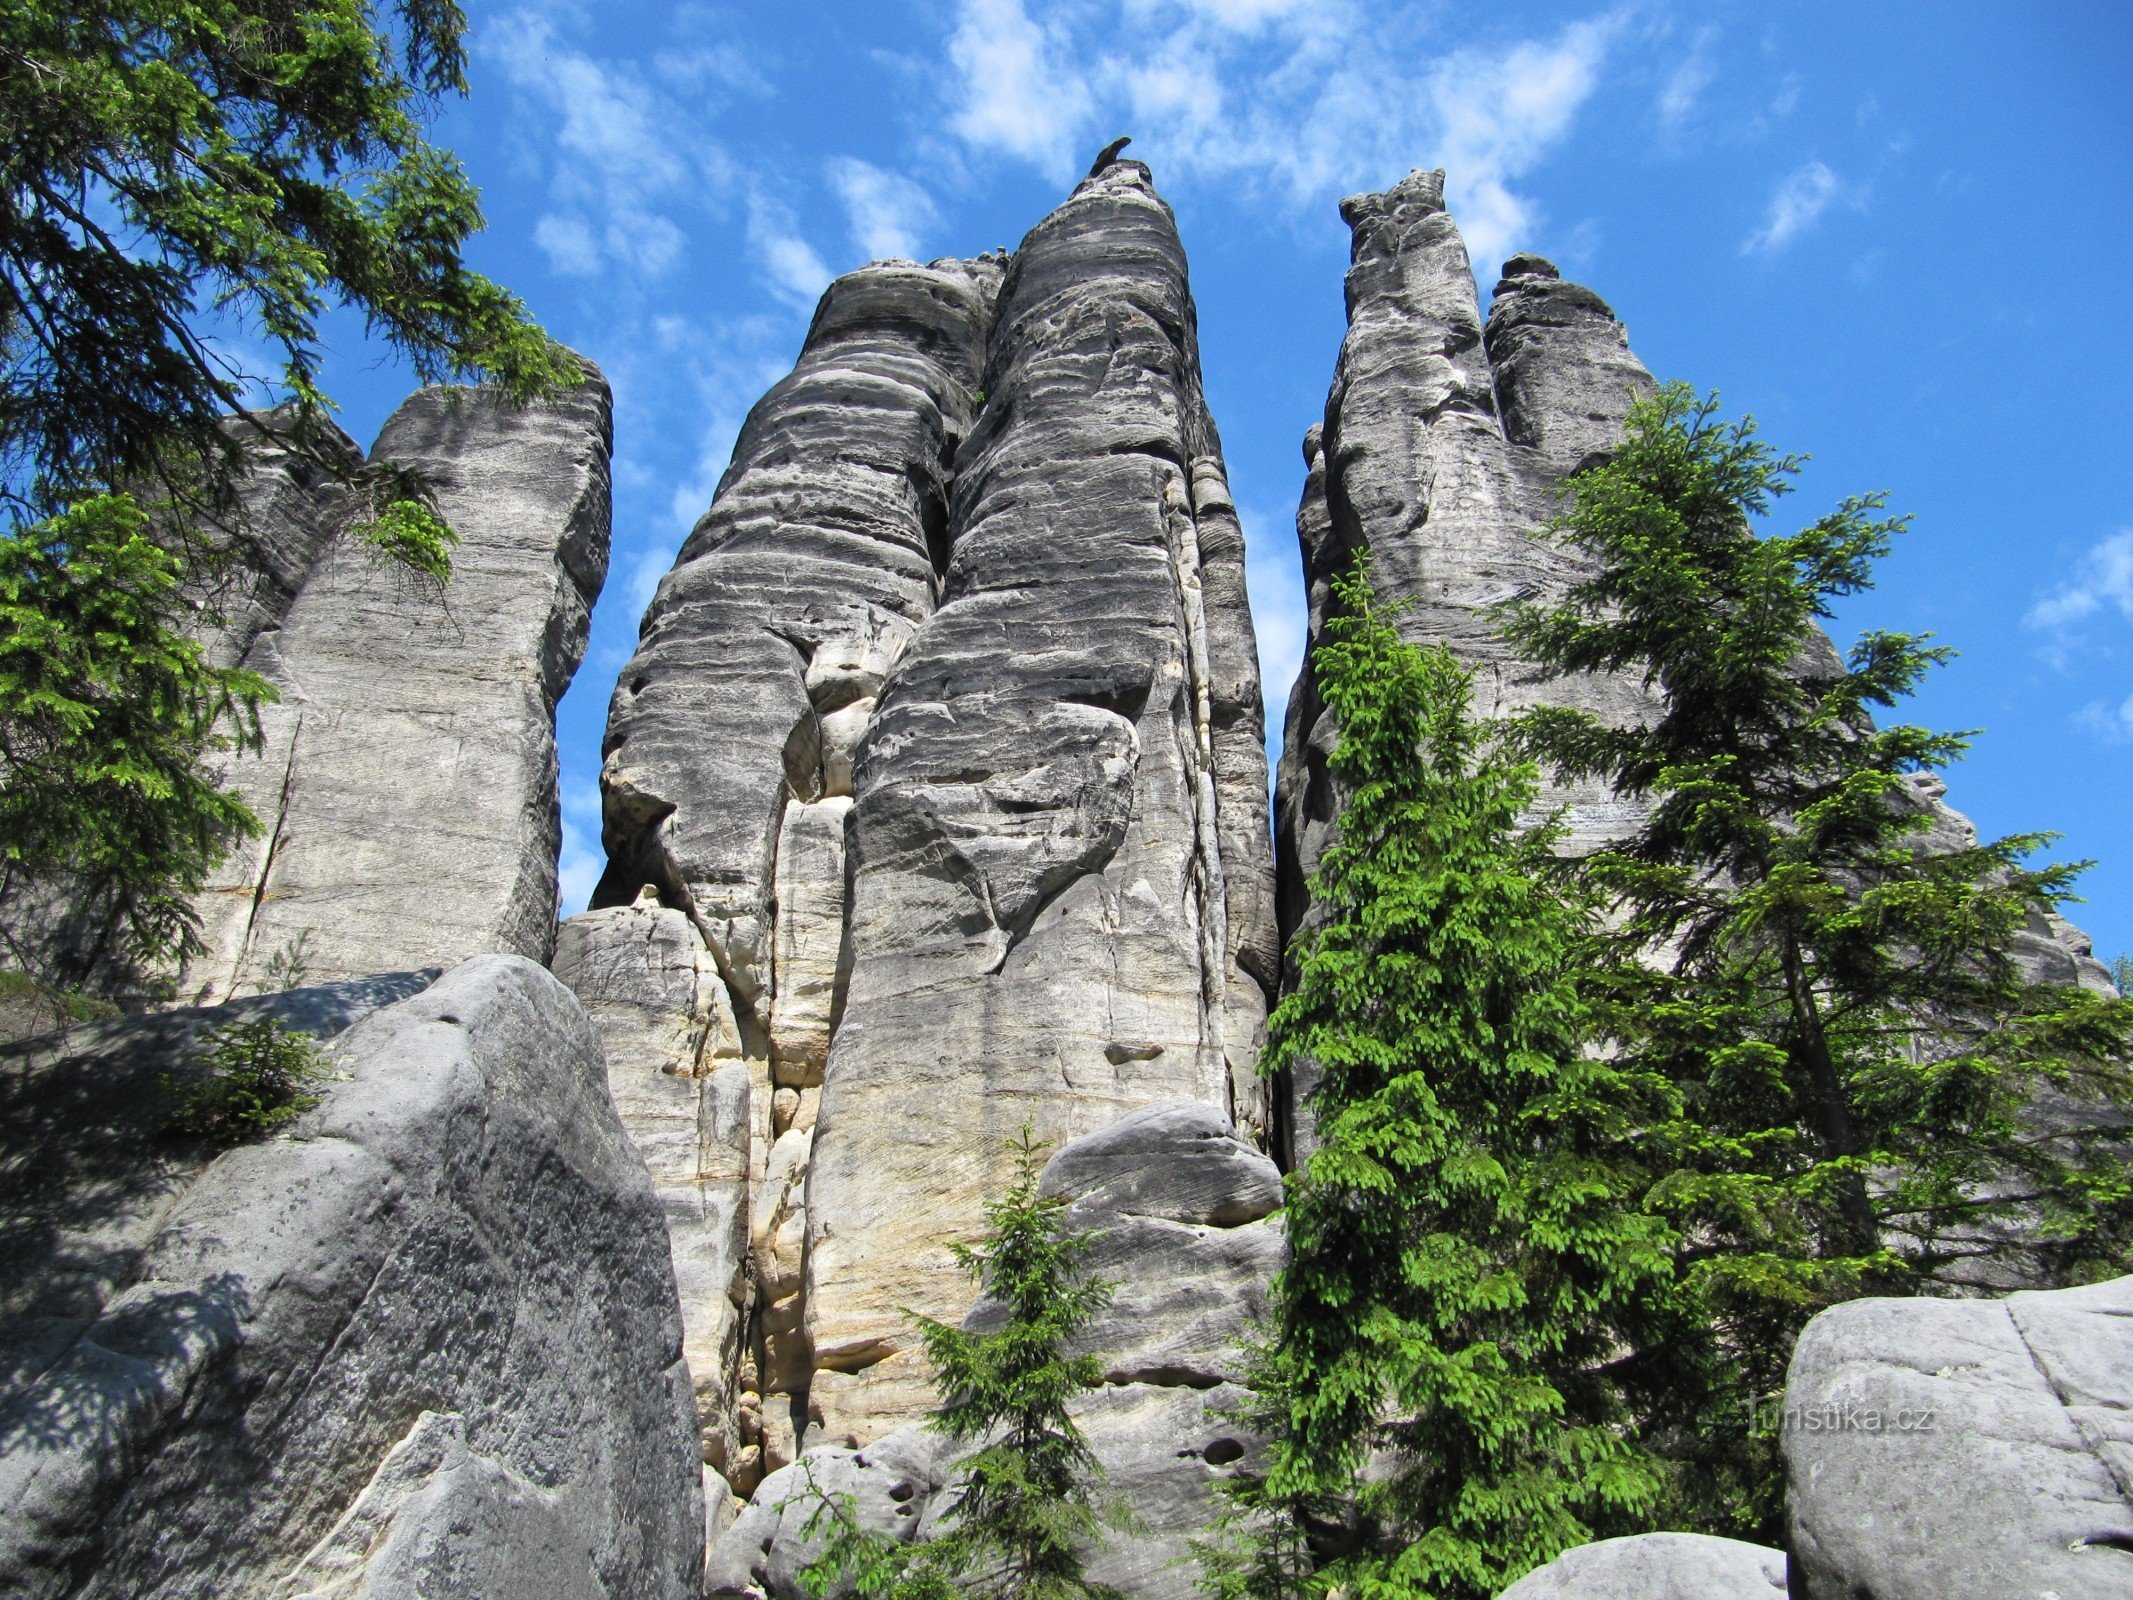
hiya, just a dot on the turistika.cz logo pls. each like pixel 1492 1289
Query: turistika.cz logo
pixel 1766 1418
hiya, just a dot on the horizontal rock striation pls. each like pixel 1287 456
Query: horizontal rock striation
pixel 425 1342
pixel 941 759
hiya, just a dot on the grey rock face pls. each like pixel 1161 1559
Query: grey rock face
pixel 1444 446
pixel 408 781
pixel 685 1097
pixel 1040 923
pixel 766 647
pixel 1964 1449
pixel 1658 1566
pixel 1443 449
pixel 426 1342
pixel 1186 1290
pixel 943 741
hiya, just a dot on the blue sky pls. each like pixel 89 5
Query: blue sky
pixel 1898 234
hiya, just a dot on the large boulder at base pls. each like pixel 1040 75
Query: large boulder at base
pixel 1964 1449
pixel 1658 1566
pixel 425 1342
pixel 1162 1423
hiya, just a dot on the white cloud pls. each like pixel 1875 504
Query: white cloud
pixel 1686 84
pixel 888 212
pixel 569 245
pixel 795 273
pixel 1797 205
pixel 581 862
pixel 2112 724
pixel 2102 578
pixel 1013 95
pixel 1299 102
pixel 1273 577
pixel 621 156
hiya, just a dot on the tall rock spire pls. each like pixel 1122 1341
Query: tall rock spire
pixel 1443 451
pixel 1041 906
pixel 943 749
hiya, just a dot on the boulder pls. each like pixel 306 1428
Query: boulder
pixel 1964 1449
pixel 424 1341
pixel 1658 1566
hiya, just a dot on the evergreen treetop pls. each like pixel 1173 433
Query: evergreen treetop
pixel 1475 1295
pixel 1875 1099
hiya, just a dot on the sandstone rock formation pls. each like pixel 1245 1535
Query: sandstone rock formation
pixel 943 742
pixel 425 1343
pixel 1658 1566
pixel 408 782
pixel 1445 446
pixel 1177 1207
pixel 1964 1449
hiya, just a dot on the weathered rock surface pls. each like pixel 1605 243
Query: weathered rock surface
pixel 792 601
pixel 1039 922
pixel 686 1099
pixel 1443 449
pixel 944 739
pixel 1658 1566
pixel 425 1342
pixel 408 781
pixel 1964 1449
pixel 1179 1208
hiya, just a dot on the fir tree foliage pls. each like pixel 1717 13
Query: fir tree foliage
pixel 108 708
pixel 1470 1259
pixel 1873 1097
pixel 179 167
pixel 1027 1507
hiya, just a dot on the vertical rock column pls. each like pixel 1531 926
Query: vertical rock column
pixel 727 781
pixel 1040 926
pixel 408 783
pixel 1443 452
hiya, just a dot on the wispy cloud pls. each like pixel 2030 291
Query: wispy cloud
pixel 1280 617
pixel 1686 83
pixel 1798 204
pixel 2102 580
pixel 620 156
pixel 795 273
pixel 581 861
pixel 888 212
pixel 2112 724
pixel 1298 102
pixel 1013 92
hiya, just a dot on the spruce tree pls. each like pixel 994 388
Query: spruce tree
pixel 1476 1301
pixel 1027 1504
pixel 1875 1099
